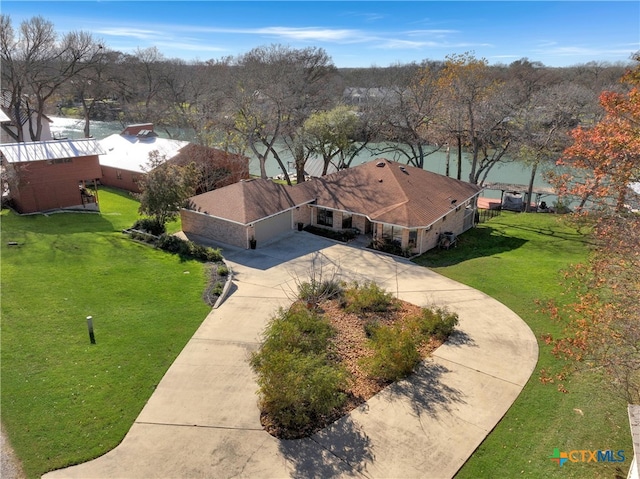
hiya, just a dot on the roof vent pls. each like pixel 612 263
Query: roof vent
pixel 379 180
pixel 380 164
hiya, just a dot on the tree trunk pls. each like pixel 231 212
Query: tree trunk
pixel 459 157
pixel 534 168
pixel 87 124
pixel 448 158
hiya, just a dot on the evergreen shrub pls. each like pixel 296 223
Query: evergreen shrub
pixel 367 297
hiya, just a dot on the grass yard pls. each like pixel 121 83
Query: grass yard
pixel 65 401
pixel 517 258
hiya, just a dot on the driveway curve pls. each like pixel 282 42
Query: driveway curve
pixel 203 419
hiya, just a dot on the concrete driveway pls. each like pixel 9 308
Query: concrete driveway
pixel 203 419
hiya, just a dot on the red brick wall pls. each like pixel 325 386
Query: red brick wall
pixel 44 185
pixel 118 178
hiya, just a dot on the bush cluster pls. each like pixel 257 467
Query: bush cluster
pixel 150 225
pixel 396 346
pixel 299 383
pixel 342 235
pixel 187 249
pixel 387 245
pixel 367 297
pixel 151 231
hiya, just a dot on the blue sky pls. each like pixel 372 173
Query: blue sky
pixel 357 34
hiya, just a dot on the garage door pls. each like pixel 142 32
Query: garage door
pixel 272 227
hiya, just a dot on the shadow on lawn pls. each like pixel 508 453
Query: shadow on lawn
pixel 475 243
pixel 58 223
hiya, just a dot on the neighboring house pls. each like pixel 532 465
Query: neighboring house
pixel 8 124
pixel 127 154
pixel 49 175
pixel 384 199
pixel 217 168
pixel 361 96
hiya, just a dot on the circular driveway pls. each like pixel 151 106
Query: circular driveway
pixel 203 419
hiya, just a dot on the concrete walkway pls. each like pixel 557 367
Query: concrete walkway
pixel 203 419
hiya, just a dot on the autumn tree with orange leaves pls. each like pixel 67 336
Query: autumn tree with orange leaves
pixel 605 159
pixel 603 325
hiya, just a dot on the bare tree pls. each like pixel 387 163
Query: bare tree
pixel 143 89
pixel 196 94
pixel 543 123
pixel 96 88
pixel 35 65
pixel 409 114
pixel 276 89
pixel 467 87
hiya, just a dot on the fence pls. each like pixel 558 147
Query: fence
pixel 486 215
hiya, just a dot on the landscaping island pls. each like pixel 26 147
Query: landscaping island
pixel 336 347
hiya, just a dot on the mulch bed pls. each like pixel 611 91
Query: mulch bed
pixel 350 346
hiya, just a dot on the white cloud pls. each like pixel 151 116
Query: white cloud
pixel 129 32
pixel 432 33
pixel 308 33
pixel 194 47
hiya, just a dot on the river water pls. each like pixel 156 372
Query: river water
pixel 511 172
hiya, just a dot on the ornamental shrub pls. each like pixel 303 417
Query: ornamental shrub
pixel 150 225
pixel 298 329
pixel 314 291
pixel 298 382
pixel 395 353
pixel 298 389
pixel 173 244
pixel 437 322
pixel 188 249
pixel 367 297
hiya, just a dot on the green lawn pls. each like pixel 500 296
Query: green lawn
pixel 63 400
pixel 517 258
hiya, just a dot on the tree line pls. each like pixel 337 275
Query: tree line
pixel 276 99
pixel 583 119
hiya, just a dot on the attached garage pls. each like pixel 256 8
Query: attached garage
pixel 255 209
pixel 273 226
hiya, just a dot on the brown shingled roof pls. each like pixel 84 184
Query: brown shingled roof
pixel 393 193
pixel 247 201
pixel 385 191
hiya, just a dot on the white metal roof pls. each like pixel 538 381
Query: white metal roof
pixel 132 153
pixel 49 150
pixel 4 118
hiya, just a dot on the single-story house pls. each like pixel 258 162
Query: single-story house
pixel 384 199
pixel 127 155
pixel 49 175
